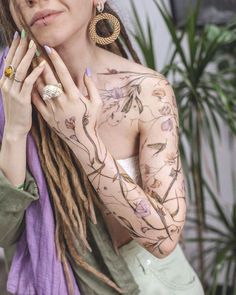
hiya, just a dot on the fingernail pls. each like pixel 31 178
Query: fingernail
pixel 37 52
pixel 31 44
pixel 48 49
pixel 23 34
pixel 16 35
pixel 88 72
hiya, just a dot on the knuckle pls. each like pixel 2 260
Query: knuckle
pixel 27 81
pixel 12 93
pixel 19 72
pixel 5 88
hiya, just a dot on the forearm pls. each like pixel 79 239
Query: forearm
pixel 148 221
pixel 13 158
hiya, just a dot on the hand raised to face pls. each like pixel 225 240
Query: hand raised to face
pixel 70 114
pixel 17 88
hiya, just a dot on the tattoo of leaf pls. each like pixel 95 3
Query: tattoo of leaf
pixel 126 108
pixel 139 89
pixel 173 172
pixel 155 196
pixel 85 120
pixel 127 178
pixel 115 177
pixel 140 105
pixel 157 146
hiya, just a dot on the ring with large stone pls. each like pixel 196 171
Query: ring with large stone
pixel 52 91
pixel 9 71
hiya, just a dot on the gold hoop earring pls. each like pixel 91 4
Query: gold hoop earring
pixel 104 16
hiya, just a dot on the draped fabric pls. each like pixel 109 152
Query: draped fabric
pixel 35 268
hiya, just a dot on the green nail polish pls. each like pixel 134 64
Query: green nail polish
pixel 37 52
pixel 23 34
pixel 31 44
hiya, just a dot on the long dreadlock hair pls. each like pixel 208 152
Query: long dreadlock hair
pixel 71 193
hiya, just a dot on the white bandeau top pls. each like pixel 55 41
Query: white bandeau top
pixel 131 166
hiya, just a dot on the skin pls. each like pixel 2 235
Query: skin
pixel 124 109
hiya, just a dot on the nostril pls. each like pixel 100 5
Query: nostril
pixel 30 2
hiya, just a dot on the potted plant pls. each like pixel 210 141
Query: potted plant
pixel 204 96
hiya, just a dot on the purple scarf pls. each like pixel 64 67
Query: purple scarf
pixel 35 269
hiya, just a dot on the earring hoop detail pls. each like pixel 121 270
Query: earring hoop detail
pixel 93 27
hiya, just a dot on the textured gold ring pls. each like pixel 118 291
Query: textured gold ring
pixel 9 71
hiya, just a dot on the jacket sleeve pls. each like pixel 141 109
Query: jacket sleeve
pixel 13 203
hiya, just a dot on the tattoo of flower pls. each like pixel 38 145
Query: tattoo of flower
pixel 117 93
pixel 70 123
pixel 167 125
pixel 142 209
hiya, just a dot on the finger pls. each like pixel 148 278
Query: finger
pixel 47 78
pixel 39 84
pixel 18 55
pixel 24 65
pixel 90 86
pixel 31 79
pixel 39 103
pixel 10 54
pixel 12 49
pixel 62 71
pixel 21 50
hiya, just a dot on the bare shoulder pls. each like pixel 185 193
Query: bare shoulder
pixel 139 89
pixel 151 87
pixel 147 80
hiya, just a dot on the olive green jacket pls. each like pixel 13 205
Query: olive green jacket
pixel 14 202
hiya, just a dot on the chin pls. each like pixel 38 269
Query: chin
pixel 50 39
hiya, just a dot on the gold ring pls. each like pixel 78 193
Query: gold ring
pixel 9 71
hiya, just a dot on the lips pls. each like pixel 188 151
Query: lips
pixel 42 14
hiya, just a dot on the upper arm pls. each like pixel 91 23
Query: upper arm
pixel 160 162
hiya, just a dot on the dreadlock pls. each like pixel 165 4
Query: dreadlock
pixel 71 193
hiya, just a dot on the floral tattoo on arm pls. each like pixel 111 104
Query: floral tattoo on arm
pixel 154 213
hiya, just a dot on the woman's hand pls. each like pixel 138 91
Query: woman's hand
pixel 71 115
pixel 17 95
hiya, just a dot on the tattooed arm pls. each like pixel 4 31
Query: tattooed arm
pixel 154 215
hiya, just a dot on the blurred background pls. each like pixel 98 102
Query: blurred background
pixel 193 43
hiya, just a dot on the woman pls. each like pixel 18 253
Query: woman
pixel 91 107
